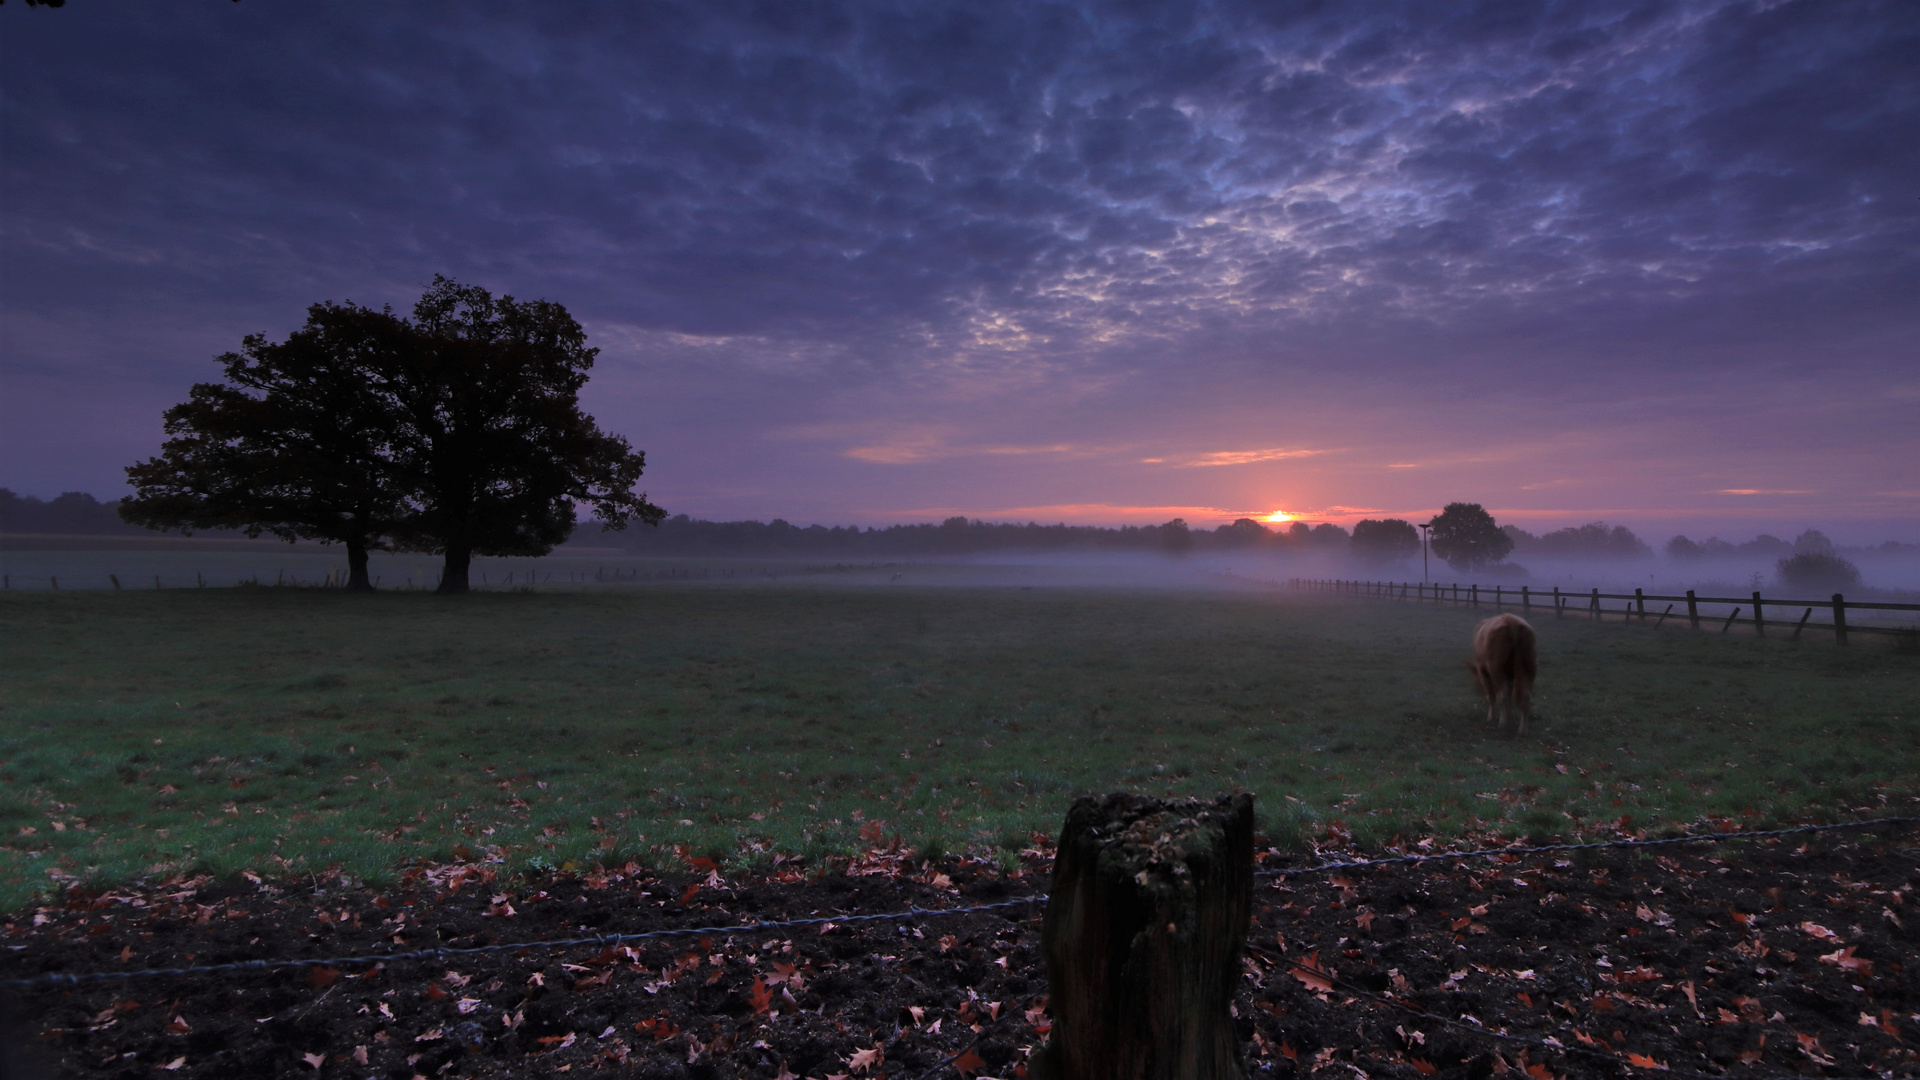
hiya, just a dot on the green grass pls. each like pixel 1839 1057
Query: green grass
pixel 291 729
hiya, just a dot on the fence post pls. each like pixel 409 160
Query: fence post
pixel 1473 594
pixel 1759 619
pixel 1802 624
pixel 115 578
pixel 1143 940
pixel 1839 619
pixel 1640 604
pixel 1558 612
pixel 1595 606
pixel 1526 600
pixel 1693 610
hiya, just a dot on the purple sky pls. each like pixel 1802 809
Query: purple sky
pixel 876 262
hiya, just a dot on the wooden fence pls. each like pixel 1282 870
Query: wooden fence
pixel 1752 611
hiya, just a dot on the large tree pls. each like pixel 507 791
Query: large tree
pixel 1468 538
pixel 295 443
pixel 1384 542
pixel 492 449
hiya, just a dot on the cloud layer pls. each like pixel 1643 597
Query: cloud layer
pixel 848 260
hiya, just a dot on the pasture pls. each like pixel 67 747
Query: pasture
pixel 282 730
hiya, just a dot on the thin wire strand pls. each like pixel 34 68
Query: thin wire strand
pixel 610 940
pixel 604 940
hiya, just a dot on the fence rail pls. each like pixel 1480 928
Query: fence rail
pixel 1592 604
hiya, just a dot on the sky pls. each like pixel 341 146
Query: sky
pixel 1652 263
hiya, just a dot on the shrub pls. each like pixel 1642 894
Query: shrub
pixel 1812 570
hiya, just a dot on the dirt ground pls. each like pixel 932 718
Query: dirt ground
pixel 1745 959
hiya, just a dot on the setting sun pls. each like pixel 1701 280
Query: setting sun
pixel 1278 516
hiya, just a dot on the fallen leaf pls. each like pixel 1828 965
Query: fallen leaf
pixel 315 1060
pixel 174 1064
pixel 862 1060
pixel 1821 932
pixel 1644 1061
pixel 179 1026
pixel 321 977
pixel 1311 973
pixel 1423 1066
pixel 761 998
pixel 360 1055
pixel 1810 1046
pixel 968 1062
pixel 1845 959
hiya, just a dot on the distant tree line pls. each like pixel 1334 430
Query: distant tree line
pixel 71 513
pixel 683 535
pixel 457 431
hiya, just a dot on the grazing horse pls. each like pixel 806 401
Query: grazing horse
pixel 1504 664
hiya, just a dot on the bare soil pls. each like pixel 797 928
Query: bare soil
pixel 1746 959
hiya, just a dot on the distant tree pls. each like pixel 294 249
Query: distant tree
pixel 1328 535
pixel 1385 541
pixel 1175 537
pixel 1468 538
pixel 295 443
pixel 1682 548
pixel 1594 540
pixel 1243 533
pixel 70 512
pixel 1812 542
pixel 492 450
pixel 1765 544
pixel 1817 570
pixel 1524 542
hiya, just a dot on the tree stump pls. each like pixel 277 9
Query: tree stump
pixel 1143 935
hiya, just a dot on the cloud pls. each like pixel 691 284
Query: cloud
pixel 1239 457
pixel 1372 209
pixel 1761 491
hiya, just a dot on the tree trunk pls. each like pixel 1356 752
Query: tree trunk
pixel 357 580
pixel 1143 935
pixel 453 577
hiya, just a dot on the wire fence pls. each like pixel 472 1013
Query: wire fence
pixel 912 912
pixel 1545 1044
pixel 1753 612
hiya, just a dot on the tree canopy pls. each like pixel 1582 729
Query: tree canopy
pixel 493 451
pixel 1386 541
pixel 1468 538
pixel 296 443
pixel 458 431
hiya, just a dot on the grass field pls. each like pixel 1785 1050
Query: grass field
pixel 292 729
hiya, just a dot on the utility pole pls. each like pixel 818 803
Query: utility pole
pixel 1423 527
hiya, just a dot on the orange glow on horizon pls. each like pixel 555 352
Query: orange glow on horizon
pixel 1279 517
